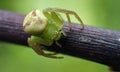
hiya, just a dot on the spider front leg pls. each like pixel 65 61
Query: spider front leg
pixel 39 49
pixel 67 12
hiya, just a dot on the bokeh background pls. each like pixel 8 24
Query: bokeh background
pixel 98 13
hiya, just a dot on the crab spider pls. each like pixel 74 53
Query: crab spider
pixel 45 28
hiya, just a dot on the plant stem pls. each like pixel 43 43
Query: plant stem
pixel 95 44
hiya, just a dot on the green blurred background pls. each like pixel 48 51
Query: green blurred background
pixel 17 58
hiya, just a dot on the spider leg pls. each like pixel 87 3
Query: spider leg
pixel 79 19
pixel 69 21
pixel 39 49
pixel 67 12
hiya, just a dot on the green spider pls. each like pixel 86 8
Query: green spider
pixel 46 28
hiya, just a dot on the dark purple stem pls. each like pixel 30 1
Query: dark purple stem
pixel 95 44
